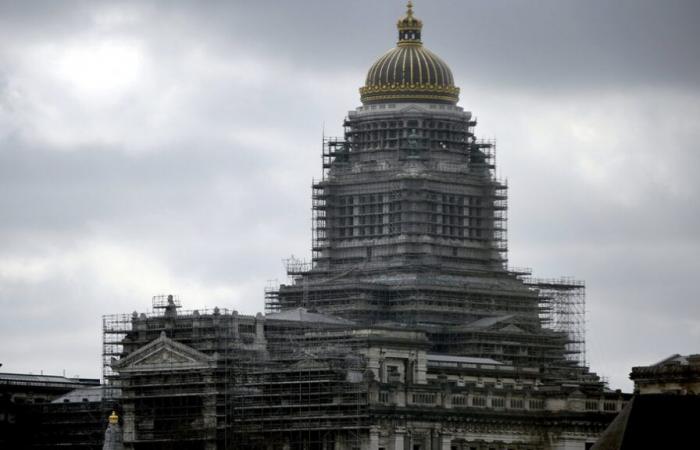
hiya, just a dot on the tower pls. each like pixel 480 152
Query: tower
pixel 410 223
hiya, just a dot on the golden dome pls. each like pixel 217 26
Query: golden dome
pixel 409 72
pixel 114 418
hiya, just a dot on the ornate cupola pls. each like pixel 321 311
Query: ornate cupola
pixel 409 72
pixel 409 27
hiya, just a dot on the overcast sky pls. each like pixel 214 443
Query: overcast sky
pixel 168 147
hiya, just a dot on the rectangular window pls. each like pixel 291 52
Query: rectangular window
pixel 459 400
pixel 478 401
pixel 609 406
pixel 246 328
pixel 536 404
pixel 591 405
pixel 424 398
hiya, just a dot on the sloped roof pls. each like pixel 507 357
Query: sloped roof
pixel 487 322
pixel 460 359
pixel 31 379
pixel 303 315
pixel 90 394
pixel 673 359
pixel 663 421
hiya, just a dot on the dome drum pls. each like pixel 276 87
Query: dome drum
pixel 404 92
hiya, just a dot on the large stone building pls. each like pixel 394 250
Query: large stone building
pixel 677 374
pixel 406 330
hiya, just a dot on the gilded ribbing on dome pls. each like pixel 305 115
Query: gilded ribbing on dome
pixel 409 72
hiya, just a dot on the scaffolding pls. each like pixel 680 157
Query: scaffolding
pixel 563 309
pixel 307 393
pixel 366 207
pixel 171 403
pixel 271 381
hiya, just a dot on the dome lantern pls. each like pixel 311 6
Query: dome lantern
pixel 409 27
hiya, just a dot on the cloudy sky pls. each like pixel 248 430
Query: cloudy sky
pixel 168 147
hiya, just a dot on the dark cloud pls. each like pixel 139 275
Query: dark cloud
pixel 147 149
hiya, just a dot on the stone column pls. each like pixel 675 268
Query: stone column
pixel 129 421
pixel 373 439
pixel 234 326
pixel 399 438
pixel 340 439
pixel 445 441
pixel 260 331
pixel 570 443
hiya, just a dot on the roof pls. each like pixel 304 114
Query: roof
pixel 653 421
pixel 460 359
pixel 677 359
pixel 28 379
pixel 487 322
pixel 303 315
pixel 675 367
pixel 89 394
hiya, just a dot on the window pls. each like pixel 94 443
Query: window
pixel 536 404
pixel 478 401
pixel 424 398
pixel 517 403
pixel 609 406
pixel 498 402
pixel 459 400
pixel 246 328
pixel 591 405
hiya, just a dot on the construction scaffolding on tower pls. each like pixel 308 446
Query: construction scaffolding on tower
pixel 307 393
pixel 563 309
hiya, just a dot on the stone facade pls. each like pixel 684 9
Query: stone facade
pixel 676 374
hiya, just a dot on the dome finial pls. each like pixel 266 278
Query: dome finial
pixel 409 27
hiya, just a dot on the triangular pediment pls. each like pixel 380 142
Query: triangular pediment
pixel 164 354
pixel 512 329
pixel 309 364
pixel 413 108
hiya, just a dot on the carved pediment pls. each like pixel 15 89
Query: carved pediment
pixel 414 109
pixel 512 329
pixel 164 354
pixel 309 365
